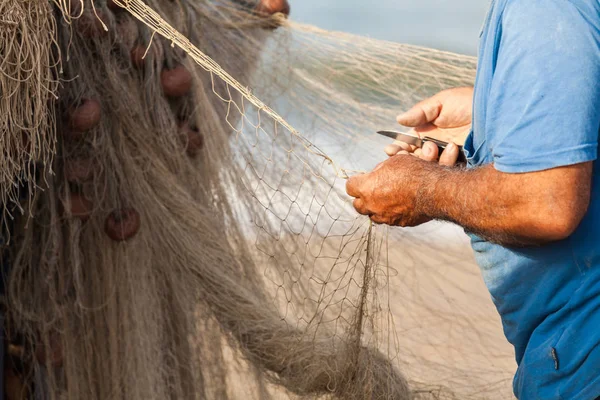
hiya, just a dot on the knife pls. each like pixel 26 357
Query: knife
pixel 415 140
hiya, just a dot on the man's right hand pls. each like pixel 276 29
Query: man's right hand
pixel 446 116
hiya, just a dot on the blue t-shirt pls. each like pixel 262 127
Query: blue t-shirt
pixel 536 107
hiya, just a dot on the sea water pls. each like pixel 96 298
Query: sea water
pixel 451 25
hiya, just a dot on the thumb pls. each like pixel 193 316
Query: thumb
pixel 422 113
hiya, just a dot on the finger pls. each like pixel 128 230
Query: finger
pixel 396 152
pixel 359 206
pixel 449 155
pixel 402 153
pixel 429 152
pixel 422 113
pixel 397 146
pixel 404 146
pixel 353 185
pixel 392 149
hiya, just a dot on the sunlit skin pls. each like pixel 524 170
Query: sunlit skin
pixel 413 186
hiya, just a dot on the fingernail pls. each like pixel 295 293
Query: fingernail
pixel 451 147
pixel 427 150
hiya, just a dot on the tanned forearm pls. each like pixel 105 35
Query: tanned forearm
pixel 509 209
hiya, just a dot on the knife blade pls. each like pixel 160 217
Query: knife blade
pixel 403 137
pixel 415 140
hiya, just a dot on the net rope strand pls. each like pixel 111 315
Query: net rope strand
pixel 154 21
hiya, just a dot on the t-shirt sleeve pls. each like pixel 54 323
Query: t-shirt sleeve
pixel 544 99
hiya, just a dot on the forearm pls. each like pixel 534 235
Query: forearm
pixel 510 209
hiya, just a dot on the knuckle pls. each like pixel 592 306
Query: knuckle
pixel 349 185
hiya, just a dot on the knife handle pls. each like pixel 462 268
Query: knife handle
pixel 462 159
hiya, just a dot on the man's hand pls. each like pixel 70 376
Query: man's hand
pixel 445 116
pixel 390 193
pixel 509 209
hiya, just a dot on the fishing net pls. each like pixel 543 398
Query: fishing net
pixel 190 236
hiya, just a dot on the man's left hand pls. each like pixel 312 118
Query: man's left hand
pixel 390 193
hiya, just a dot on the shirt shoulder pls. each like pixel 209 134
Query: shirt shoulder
pixel 535 11
pixel 538 70
pixel 548 29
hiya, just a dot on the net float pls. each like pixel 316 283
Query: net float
pixel 85 116
pixel 272 7
pixel 176 82
pixel 123 224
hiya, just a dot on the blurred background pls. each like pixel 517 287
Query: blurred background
pixel 442 24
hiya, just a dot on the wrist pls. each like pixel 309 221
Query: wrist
pixel 431 181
